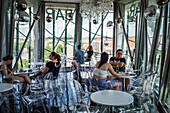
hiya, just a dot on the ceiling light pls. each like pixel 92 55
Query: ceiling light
pixel 162 2
pixel 48 18
pixel 110 24
pixel 93 8
pixel 21 5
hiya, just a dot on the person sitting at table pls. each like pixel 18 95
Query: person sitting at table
pixel 118 63
pixel 10 77
pixel 78 60
pixel 100 74
pixel 52 66
pixel 89 54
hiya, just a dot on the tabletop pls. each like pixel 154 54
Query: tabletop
pixel 5 87
pixel 36 63
pixel 28 71
pixel 128 76
pixel 112 98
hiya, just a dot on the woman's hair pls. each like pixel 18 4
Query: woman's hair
pixel 7 57
pixel 56 56
pixel 103 59
pixel 90 48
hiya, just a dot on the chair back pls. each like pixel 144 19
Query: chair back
pixel 49 76
pixel 1 77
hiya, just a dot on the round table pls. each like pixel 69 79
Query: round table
pixel 5 87
pixel 112 98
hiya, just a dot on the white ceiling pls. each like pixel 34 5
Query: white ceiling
pixel 63 1
pixel 75 1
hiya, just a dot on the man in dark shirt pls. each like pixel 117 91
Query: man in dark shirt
pixel 118 61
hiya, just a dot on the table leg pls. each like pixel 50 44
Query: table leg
pixel 110 109
pixel 124 84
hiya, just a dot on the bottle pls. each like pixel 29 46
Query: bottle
pixel 123 67
pixel 117 68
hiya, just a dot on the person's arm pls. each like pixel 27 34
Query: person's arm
pixel 114 64
pixel 5 72
pixel 57 65
pixel 114 73
pixel 121 64
pixel 75 56
pixel 87 56
pixel 45 70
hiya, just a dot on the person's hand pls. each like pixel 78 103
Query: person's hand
pixel 121 64
pixel 13 70
pixel 110 77
pixel 127 74
pixel 56 65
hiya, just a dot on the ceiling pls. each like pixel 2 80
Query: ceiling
pixel 75 1
pixel 78 1
pixel 64 3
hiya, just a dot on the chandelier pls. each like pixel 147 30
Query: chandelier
pixel 93 8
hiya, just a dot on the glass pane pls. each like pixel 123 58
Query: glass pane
pixel 108 34
pixel 168 34
pixel 63 25
pixel 132 11
pixel 23 28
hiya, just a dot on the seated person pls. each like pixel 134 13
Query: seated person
pixel 89 54
pixel 118 61
pixel 9 77
pixel 79 57
pixel 100 75
pixel 118 64
pixel 52 66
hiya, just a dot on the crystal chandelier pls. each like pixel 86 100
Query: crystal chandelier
pixel 93 8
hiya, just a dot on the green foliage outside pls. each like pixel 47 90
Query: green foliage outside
pixel 83 48
pixel 96 53
pixel 47 53
pixel 60 49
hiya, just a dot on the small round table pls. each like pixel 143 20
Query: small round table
pixel 5 87
pixel 112 98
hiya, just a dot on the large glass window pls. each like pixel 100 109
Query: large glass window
pixel 131 18
pixel 108 34
pixel 20 33
pixel 96 34
pixel 167 42
pixel 62 29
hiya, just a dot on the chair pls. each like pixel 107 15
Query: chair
pixel 36 97
pixel 17 89
pixel 143 92
pixel 76 71
pixel 83 100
